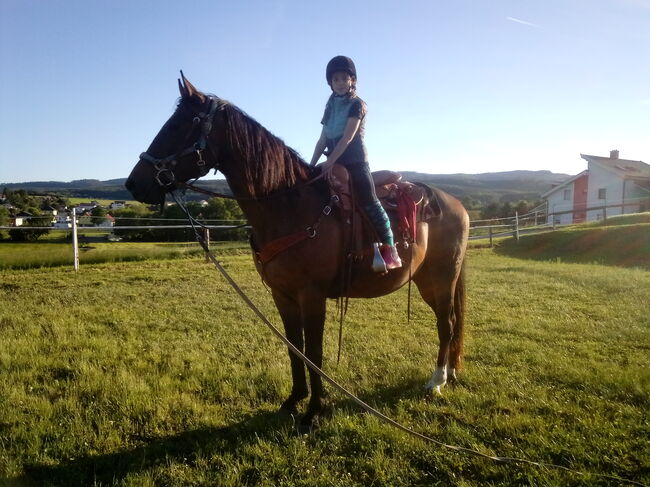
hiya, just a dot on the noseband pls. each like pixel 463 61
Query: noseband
pixel 164 175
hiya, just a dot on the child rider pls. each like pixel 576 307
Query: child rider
pixel 342 136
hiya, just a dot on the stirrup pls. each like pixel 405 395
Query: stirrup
pixel 391 257
pixel 378 264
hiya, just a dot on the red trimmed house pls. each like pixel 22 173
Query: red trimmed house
pixel 609 186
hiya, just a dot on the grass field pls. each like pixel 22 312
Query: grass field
pixel 58 253
pixel 153 373
pixel 622 241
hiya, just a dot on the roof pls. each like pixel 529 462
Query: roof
pixel 624 168
pixel 564 183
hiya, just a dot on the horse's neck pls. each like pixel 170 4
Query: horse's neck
pixel 282 213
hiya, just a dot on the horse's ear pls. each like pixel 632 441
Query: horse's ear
pixel 187 89
pixel 182 89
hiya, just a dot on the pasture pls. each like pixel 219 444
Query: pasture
pixel 154 373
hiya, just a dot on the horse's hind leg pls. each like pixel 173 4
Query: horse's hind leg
pixel 290 313
pixel 440 297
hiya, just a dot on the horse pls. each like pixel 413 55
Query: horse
pixel 276 191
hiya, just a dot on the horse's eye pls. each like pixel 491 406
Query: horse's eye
pixel 196 120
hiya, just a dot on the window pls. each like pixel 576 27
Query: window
pixel 567 195
pixel 602 193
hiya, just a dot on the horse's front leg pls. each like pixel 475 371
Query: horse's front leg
pixel 290 313
pixel 312 307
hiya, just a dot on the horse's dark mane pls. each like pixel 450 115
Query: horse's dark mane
pixel 267 163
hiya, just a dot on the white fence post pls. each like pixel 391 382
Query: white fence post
pixel 75 243
pixel 517 225
pixel 206 238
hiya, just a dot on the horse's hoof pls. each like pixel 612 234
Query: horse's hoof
pixel 433 389
pixel 288 411
pixel 451 375
pixel 307 428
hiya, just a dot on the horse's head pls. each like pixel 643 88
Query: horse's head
pixel 180 151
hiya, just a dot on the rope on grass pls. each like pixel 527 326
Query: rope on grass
pixel 367 407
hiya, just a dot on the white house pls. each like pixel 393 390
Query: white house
pixel 82 208
pixel 117 205
pixel 609 186
pixel 20 219
pixel 63 220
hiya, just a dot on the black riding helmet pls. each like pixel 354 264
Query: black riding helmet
pixel 340 63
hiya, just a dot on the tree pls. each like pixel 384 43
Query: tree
pixel 4 220
pixel 98 214
pixel 20 234
pixel 490 211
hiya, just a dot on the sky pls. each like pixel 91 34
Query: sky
pixel 452 86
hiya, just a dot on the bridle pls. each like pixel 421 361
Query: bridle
pixel 165 176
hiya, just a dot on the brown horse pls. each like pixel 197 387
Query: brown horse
pixel 276 193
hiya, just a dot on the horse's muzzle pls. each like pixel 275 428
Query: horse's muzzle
pixel 142 185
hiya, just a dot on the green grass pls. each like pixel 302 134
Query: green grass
pixel 154 373
pixel 620 244
pixel 57 253
pixel 629 219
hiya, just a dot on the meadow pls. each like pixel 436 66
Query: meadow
pixel 153 372
pixel 57 252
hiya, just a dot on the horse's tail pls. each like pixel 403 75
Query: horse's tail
pixel 456 346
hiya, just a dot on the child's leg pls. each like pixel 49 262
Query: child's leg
pixel 365 192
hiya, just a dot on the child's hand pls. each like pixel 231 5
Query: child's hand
pixel 327 165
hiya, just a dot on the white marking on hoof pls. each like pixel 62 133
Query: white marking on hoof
pixel 438 379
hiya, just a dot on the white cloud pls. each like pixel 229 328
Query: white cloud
pixel 519 21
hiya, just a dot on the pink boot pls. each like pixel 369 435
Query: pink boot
pixel 391 257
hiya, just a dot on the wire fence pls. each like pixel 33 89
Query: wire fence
pixel 535 221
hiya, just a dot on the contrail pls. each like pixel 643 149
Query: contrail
pixel 519 21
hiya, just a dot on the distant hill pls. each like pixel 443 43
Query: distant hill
pixel 485 188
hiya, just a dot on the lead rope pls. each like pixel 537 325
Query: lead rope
pixel 350 395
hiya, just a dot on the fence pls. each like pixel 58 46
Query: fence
pixel 488 229
pixel 509 226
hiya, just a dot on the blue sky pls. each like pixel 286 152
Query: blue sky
pixel 454 86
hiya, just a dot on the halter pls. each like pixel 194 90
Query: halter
pixel 165 176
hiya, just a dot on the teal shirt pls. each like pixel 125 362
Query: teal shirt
pixel 337 112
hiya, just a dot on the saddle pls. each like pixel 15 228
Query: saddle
pixel 405 203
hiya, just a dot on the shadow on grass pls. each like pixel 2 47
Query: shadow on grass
pixel 184 448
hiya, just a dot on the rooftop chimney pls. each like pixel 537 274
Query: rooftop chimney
pixel 613 154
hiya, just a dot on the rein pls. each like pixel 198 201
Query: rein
pixel 214 194
pixel 366 407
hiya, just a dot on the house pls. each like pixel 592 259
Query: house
pixel 20 219
pixel 63 220
pixel 49 210
pixel 609 186
pixel 117 205
pixel 82 208
pixel 107 222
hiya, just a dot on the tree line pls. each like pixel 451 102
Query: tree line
pixel 217 211
pixel 22 201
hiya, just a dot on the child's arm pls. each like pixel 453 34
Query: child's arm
pixel 320 147
pixel 350 131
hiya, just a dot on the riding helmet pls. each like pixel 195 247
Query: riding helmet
pixel 340 63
